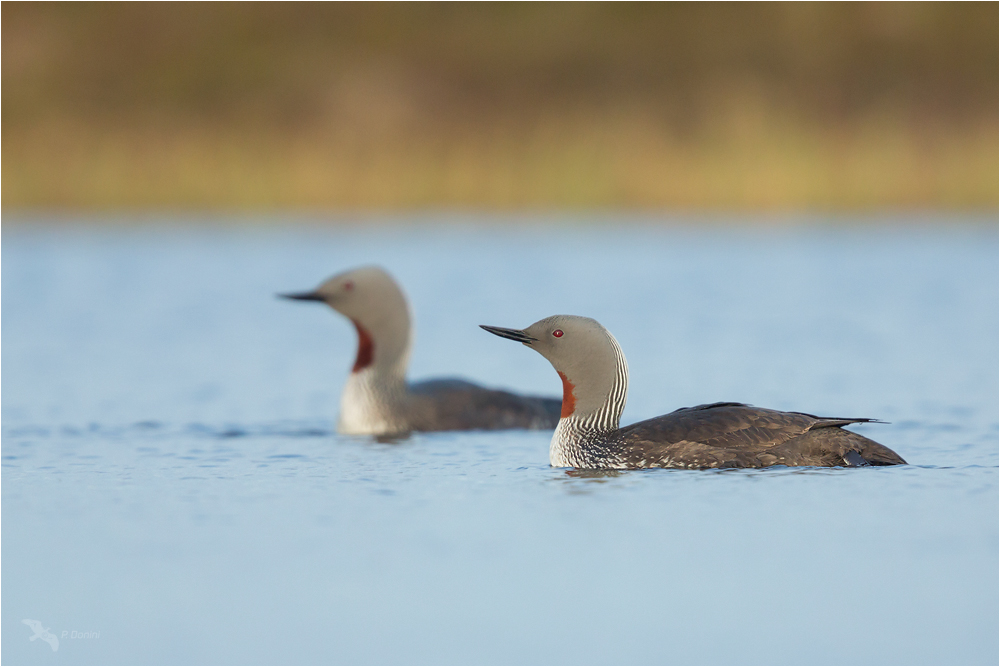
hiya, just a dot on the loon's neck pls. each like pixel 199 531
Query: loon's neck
pixel 373 402
pixel 375 396
pixel 577 444
pixel 586 435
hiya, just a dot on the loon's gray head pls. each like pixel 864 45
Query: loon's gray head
pixel 587 358
pixel 374 302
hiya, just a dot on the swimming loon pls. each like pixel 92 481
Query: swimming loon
pixel 717 435
pixel 377 399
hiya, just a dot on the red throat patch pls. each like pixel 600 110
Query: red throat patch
pixel 569 400
pixel 366 348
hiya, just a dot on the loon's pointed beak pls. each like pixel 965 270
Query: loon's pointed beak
pixel 303 296
pixel 512 334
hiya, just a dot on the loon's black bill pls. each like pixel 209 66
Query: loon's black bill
pixel 512 334
pixel 303 296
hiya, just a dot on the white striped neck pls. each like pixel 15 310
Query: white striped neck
pixel 575 444
pixel 591 411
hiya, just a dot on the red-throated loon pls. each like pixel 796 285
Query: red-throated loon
pixel 718 435
pixel 377 399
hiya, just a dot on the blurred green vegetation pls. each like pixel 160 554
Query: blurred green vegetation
pixel 507 105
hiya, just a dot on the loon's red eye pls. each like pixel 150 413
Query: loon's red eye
pixel 349 285
pixel 557 333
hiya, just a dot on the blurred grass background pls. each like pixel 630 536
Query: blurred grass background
pixel 241 106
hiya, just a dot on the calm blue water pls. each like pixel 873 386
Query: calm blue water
pixel 172 490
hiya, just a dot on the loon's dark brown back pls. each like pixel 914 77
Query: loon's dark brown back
pixel 734 435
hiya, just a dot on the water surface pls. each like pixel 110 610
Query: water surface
pixel 174 491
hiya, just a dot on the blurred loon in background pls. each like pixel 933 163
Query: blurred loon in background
pixel 377 399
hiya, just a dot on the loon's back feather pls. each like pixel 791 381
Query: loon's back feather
pixel 736 435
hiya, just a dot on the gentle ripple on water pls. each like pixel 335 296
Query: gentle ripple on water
pixel 172 478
